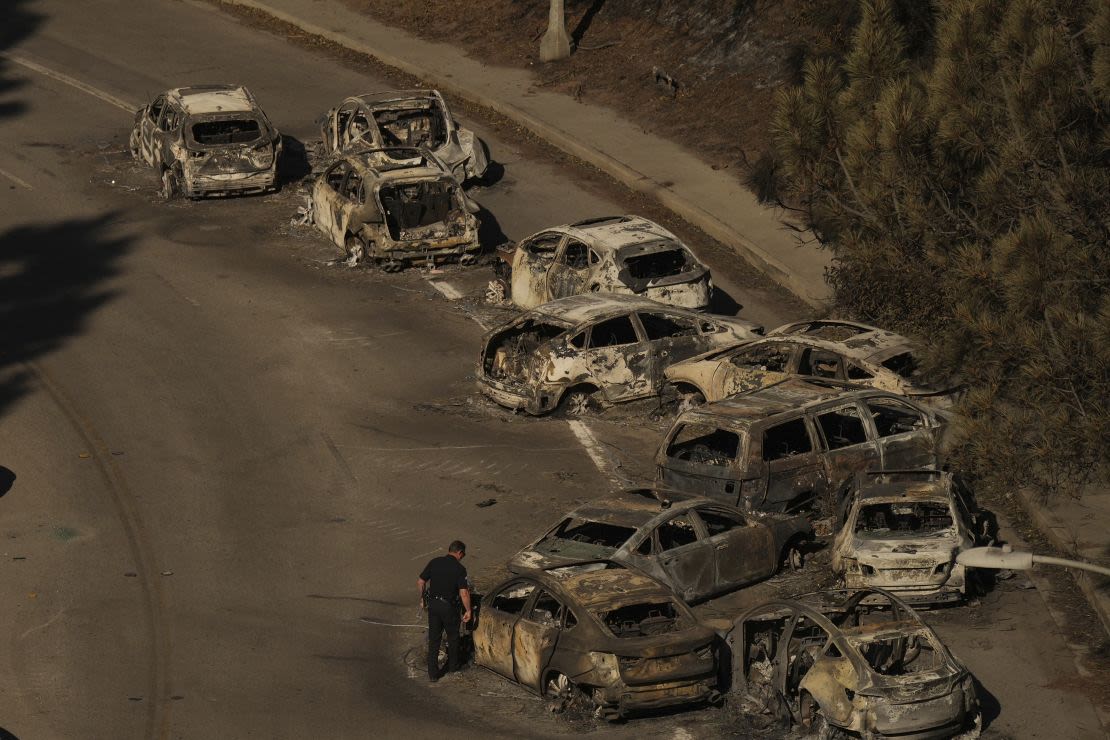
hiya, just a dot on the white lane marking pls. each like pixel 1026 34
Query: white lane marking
pixel 589 441
pixel 107 97
pixel 446 289
pixel 18 181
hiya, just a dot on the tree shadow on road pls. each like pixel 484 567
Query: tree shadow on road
pixel 5 735
pixel 18 23
pixel 52 278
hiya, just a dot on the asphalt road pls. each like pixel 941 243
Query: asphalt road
pixel 231 459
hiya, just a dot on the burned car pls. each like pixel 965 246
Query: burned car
pixel 902 532
pixel 618 254
pixel 614 634
pixel 207 140
pixel 394 206
pixel 829 663
pixel 588 351
pixel 864 355
pixel 796 443
pixel 407 118
pixel 697 546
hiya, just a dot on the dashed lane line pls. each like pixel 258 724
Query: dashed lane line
pixel 17 180
pixel 593 448
pixel 448 290
pixel 85 87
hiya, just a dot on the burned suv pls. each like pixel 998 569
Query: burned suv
pixel 404 118
pixel 902 532
pixel 795 443
pixel 616 254
pixel 207 140
pixel 599 629
pixel 589 351
pixel 394 206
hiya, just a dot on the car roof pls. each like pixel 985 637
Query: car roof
pixel 613 233
pixel 203 99
pixel 873 346
pixel 637 507
pixel 578 309
pixel 786 395
pixel 394 163
pixel 603 588
pixel 916 485
pixel 390 96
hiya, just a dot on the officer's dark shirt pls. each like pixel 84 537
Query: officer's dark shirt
pixel 445 576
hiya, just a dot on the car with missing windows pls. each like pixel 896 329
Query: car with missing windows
pixel 394 206
pixel 589 351
pixel 207 140
pixel 697 546
pixel 404 118
pixel 795 444
pixel 852 663
pixel 902 532
pixel 626 255
pixel 834 350
pixel 599 630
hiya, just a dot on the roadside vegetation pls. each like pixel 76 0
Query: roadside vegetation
pixel 962 184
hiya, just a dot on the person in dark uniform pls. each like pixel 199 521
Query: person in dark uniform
pixel 443 587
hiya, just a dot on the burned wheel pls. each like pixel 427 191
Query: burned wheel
pixel 356 250
pixel 579 402
pixel 558 687
pixel 795 557
pixel 688 398
pixel 171 184
pixel 496 292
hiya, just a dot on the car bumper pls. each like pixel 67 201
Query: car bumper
pixel 519 399
pixel 629 699
pixel 429 249
pixel 929 594
pixel 942 717
pixel 231 183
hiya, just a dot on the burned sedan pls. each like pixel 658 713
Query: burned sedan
pixel 617 254
pixel 588 351
pixel 207 140
pixel 829 663
pixel 902 532
pixel 394 206
pixel 696 546
pixel 417 118
pixel 794 444
pixel 862 354
pixel 614 634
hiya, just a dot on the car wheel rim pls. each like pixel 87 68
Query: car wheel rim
pixel 559 687
pixel 578 404
pixel 689 401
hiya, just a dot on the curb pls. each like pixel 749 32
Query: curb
pixel 760 259
pixel 1092 586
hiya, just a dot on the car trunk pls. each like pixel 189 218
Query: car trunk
pixel 229 144
pixel 412 123
pixel 424 209
pixel 657 264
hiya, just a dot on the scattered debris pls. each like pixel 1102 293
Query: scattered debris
pixel 487 502
pixel 665 81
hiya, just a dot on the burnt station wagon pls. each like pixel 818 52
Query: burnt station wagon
pixel 795 443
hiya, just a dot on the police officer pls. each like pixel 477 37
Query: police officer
pixel 443 586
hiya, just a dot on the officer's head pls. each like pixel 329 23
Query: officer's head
pixel 457 549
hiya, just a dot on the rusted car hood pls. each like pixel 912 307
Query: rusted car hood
pixel 658 646
pixel 569 552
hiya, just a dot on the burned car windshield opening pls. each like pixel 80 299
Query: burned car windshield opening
pixel 918 517
pixel 508 352
pixel 708 445
pixel 658 264
pixel 413 205
pixel 601 534
pixel 904 365
pixel 411 127
pixel 237 131
pixel 643 620
pixel 901 655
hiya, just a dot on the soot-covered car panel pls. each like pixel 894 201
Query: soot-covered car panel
pixel 207 140
pixel 696 546
pixel 612 633
pixel 594 349
pixel 404 118
pixel 619 254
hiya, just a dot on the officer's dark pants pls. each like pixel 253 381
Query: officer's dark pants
pixel 442 617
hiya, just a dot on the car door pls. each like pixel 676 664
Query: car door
pixel 672 337
pixel 166 134
pixel 618 359
pixel 534 638
pixel 904 433
pixel 327 203
pixel 742 548
pixel 751 367
pixel 848 444
pixel 494 633
pixel 700 457
pixel 685 556
pixel 570 269
pixel 793 474
pixel 531 261
pixel 149 128
pixel 820 363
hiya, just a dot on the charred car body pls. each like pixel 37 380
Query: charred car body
pixel 404 118
pixel 786 446
pixel 827 661
pixel 864 355
pixel 615 634
pixel 207 140
pixel 696 546
pixel 902 532
pixel 394 206
pixel 618 254
pixel 588 350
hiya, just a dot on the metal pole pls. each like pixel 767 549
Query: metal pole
pixel 555 43
pixel 1078 564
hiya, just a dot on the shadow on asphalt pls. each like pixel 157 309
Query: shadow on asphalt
pixel 294 165
pixel 52 279
pixel 722 303
pixel 988 704
pixel 7 480
pixel 494 172
pixel 5 735
pixel 19 23
pixel 490 234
